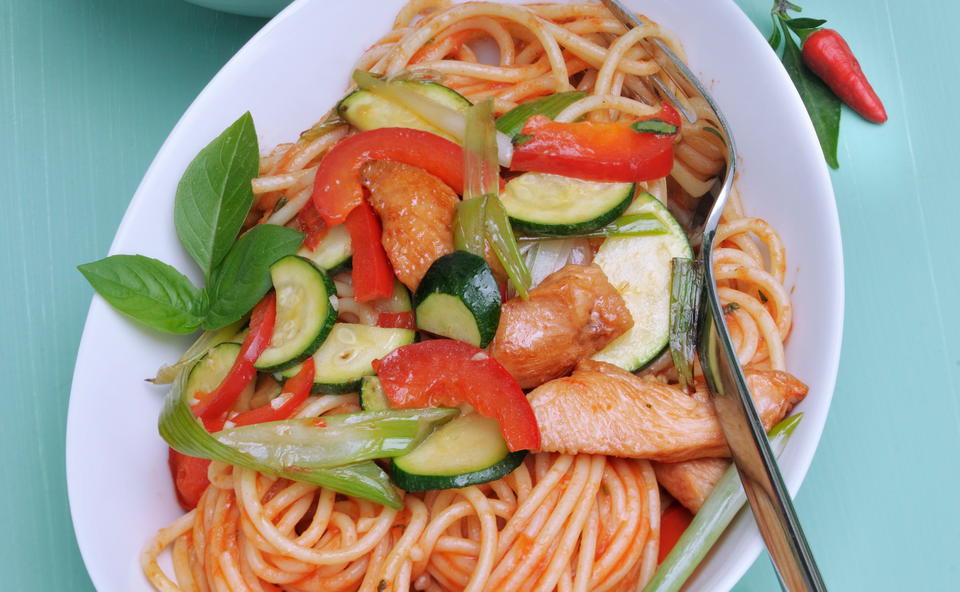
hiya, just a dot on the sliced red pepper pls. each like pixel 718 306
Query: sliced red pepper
pixel 672 524
pixel 594 151
pixel 337 189
pixel 312 225
pixel 296 390
pixel 189 478
pixel 444 372
pixel 397 320
pixel 372 274
pixel 214 404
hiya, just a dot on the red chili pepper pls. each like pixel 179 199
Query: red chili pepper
pixel 296 390
pixel 595 151
pixel 312 225
pixel 672 524
pixel 337 189
pixel 828 55
pixel 189 478
pixel 214 404
pixel 447 372
pixel 372 275
pixel 397 320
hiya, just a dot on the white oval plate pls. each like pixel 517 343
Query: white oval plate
pixel 288 75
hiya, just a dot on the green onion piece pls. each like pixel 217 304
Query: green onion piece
pixel 513 120
pixel 469 232
pixel 335 440
pixel 207 341
pixel 184 433
pixel 481 218
pixel 330 124
pixel 713 518
pixel 504 244
pixel 685 284
pixel 654 126
pixel 645 224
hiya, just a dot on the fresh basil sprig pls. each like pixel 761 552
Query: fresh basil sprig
pixel 213 198
pixel 148 290
pixel 244 276
pixel 214 194
pixel 822 105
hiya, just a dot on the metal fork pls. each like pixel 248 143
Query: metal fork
pixel 756 465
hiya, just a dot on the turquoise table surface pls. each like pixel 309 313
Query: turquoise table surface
pixel 89 89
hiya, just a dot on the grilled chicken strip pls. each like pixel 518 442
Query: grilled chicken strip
pixel 690 482
pixel 571 315
pixel 602 409
pixel 416 210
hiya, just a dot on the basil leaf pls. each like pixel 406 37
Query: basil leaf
pixel 148 290
pixel 244 277
pixel 214 194
pixel 654 126
pixel 822 105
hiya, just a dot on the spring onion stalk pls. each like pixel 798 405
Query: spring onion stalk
pixel 511 122
pixel 450 121
pixel 481 218
pixel 713 518
pixel 207 341
pixel 336 440
pixel 645 224
pixel 685 284
pixel 184 433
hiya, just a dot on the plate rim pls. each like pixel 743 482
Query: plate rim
pixel 800 465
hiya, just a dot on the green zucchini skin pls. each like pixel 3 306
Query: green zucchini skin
pixel 459 298
pixel 371 395
pixel 641 269
pixel 550 106
pixel 466 451
pixel 304 310
pixel 347 355
pixel 210 370
pixel 366 110
pixel 553 205
pixel 333 253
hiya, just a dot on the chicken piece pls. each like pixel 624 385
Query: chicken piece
pixel 416 210
pixel 690 482
pixel 602 409
pixel 571 315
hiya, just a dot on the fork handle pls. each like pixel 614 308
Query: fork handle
pixel 768 496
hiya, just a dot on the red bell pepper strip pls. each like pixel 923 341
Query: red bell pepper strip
pixel 212 405
pixel 397 320
pixel 296 390
pixel 337 189
pixel 312 225
pixel 672 524
pixel 189 478
pixel 828 55
pixel 595 151
pixel 444 372
pixel 372 274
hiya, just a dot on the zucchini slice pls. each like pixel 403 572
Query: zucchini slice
pixel 399 302
pixel 210 370
pixel 466 451
pixel 640 268
pixel 371 395
pixel 366 110
pixel 540 203
pixel 459 298
pixel 348 354
pixel 333 252
pixel 305 313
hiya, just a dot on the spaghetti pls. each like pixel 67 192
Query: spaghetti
pixel 558 522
